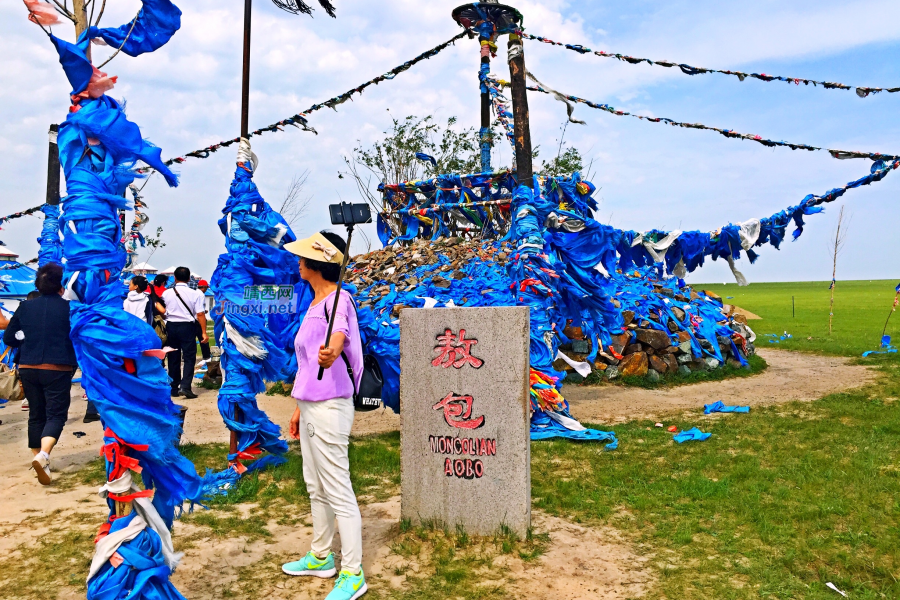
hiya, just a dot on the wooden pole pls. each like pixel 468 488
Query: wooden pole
pixel 516 58
pixel 245 133
pixel 485 133
pixel 53 168
pixel 79 11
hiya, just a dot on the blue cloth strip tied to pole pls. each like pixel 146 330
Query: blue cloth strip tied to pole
pixel 118 353
pixel 51 247
pixel 256 344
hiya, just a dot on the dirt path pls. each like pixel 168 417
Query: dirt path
pixel 791 376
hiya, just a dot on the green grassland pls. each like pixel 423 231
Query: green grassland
pixel 777 502
pixel 860 311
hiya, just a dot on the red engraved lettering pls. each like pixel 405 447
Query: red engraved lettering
pixel 491 447
pixel 435 443
pixel 448 467
pixel 465 446
pixel 470 473
pixel 458 467
pixel 479 469
pixel 482 447
pixel 455 351
pixel 458 411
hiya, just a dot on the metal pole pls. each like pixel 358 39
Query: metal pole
pixel 337 295
pixel 516 57
pixel 53 168
pixel 793 309
pixel 245 82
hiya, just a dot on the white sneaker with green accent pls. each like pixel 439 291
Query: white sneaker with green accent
pixel 311 566
pixel 348 586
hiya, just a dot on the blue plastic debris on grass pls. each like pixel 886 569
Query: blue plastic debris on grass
pixel 691 435
pixel 545 428
pixel 720 407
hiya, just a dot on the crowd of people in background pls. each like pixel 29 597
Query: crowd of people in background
pixel 38 332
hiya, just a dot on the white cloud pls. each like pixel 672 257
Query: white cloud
pixel 187 95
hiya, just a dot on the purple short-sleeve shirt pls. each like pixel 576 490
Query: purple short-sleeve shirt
pixel 335 382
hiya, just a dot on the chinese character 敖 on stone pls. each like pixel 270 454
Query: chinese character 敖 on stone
pixel 455 351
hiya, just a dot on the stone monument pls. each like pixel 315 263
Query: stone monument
pixel 465 422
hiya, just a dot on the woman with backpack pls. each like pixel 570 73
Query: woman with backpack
pixel 138 301
pixel 324 416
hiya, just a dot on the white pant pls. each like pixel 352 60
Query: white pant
pixel 324 439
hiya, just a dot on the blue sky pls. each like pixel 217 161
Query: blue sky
pixel 187 95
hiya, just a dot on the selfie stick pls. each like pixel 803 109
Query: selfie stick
pixel 337 294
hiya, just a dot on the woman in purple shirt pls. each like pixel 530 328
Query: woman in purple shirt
pixel 324 416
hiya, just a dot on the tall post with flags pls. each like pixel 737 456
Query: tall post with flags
pixel 50 245
pixel 118 353
pixel 256 347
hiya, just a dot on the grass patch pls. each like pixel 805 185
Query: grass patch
pixel 374 471
pixel 207 384
pixel 279 388
pixel 59 559
pixel 757 364
pixel 455 564
pixel 250 526
pixel 775 504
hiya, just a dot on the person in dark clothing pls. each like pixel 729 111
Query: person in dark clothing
pixel 185 322
pixel 40 329
pixel 156 290
pixel 203 285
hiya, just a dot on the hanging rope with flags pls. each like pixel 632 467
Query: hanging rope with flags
pixel 300 121
pixel 729 133
pixel 861 91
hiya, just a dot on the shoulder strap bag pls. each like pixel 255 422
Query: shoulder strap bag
pixel 10 385
pixel 368 396
pixel 198 329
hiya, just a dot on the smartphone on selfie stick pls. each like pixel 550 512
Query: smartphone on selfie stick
pixel 348 215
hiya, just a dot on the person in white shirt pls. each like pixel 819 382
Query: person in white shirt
pixel 185 322
pixel 138 300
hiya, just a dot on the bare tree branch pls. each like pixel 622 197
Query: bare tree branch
pixel 294 206
pixel 840 235
pixel 100 16
pixel 63 10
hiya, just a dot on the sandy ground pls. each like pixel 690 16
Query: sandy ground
pixel 586 562
pixel 791 376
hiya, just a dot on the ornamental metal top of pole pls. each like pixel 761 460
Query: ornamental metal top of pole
pixel 506 20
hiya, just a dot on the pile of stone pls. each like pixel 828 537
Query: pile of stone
pixel 388 280
pixel 645 351
pixel 407 267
